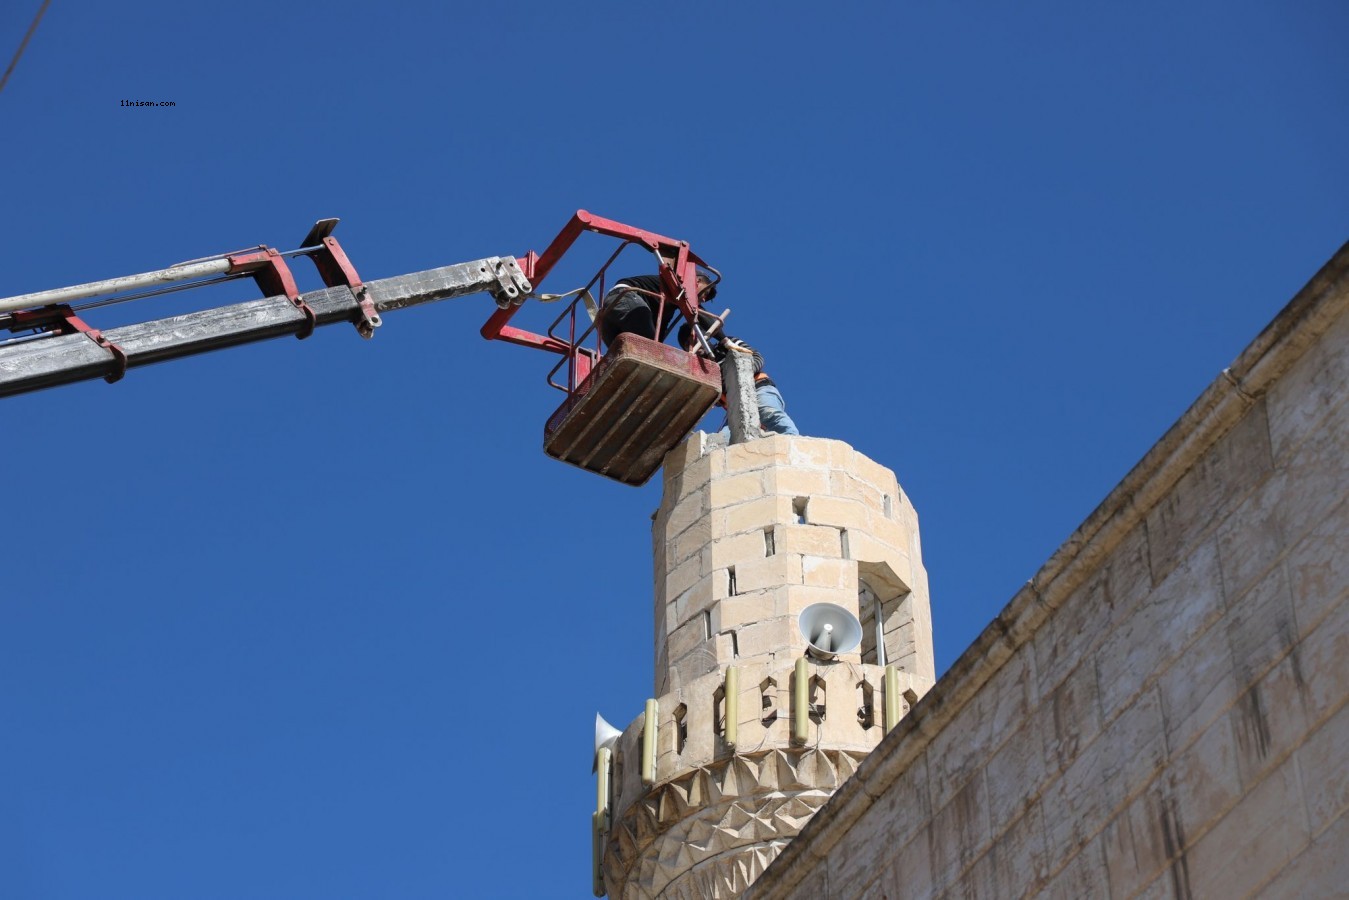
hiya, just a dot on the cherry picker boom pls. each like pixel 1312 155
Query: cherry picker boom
pixel 626 405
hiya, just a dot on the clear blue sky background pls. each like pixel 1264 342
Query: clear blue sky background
pixel 320 620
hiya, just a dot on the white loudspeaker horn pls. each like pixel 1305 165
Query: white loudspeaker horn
pixel 829 630
pixel 606 735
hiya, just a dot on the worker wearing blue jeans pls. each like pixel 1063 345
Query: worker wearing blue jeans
pixel 772 411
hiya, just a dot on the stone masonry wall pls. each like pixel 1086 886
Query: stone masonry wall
pixel 1161 712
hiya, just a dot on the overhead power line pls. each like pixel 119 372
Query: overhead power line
pixel 17 53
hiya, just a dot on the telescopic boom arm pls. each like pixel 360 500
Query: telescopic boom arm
pixel 63 349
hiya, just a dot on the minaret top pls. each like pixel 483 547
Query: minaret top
pixel 749 535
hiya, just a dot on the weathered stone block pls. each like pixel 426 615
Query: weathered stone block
pixel 682 456
pixel 686 637
pixel 673 520
pixel 1321 870
pixel 1256 839
pixel 1325 776
pixel 678 610
pixel 1268 721
pixel 845 484
pixel 1198 687
pixel 696 600
pixel 1157 630
pixel 812 453
pixel 793 481
pixel 1202 781
pixel 964 746
pixel 1309 392
pixel 692 479
pixel 684 576
pixel 689 668
pixel 1077 628
pixel 732 489
pixel 738 549
pixel 1318 569
pixel 1013 867
pixel 1323 661
pixel 768 572
pixel 959 833
pixel 838 513
pixel 1260 627
pixel 765 638
pixel 1016 775
pixel 912 866
pixel 1250 541
pixel 755 515
pixel 1216 484
pixel 878 477
pixel 890 532
pixel 690 542
pixel 1138 843
pixel 801 596
pixel 770 451
pixel 1314 476
pixel 1123 758
pixel 840 574
pixel 746 609
pixel 1083 872
pixel 812 540
pixel 813 887
pixel 726 649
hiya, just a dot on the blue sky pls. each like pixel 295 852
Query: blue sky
pixel 320 619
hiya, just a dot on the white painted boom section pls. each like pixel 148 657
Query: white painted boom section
pixel 115 285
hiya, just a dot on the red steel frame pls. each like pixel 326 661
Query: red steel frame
pixel 678 271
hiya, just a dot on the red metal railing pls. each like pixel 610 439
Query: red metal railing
pixel 677 267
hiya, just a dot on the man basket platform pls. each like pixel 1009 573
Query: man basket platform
pixel 638 403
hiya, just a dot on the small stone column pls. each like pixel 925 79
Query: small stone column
pixel 746 537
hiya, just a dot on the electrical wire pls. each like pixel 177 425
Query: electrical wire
pixel 23 44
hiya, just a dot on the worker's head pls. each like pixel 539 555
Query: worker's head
pixel 707 289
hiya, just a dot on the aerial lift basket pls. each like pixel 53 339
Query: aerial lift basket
pixel 629 404
pixel 633 408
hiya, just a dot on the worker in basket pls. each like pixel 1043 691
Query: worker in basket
pixel 772 408
pixel 633 306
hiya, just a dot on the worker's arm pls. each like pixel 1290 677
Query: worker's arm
pixel 737 345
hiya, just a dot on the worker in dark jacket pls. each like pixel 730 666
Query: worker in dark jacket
pixel 633 306
pixel 772 409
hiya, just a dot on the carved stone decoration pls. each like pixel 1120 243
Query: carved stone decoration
pixel 711 831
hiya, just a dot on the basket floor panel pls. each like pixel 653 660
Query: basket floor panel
pixel 638 403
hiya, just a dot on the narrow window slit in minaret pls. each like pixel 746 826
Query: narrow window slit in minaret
pixel 799 509
pixel 707 623
pixel 866 713
pixel 816 699
pixel 730 581
pixel 889 507
pixel 843 542
pixel 681 727
pixel 769 542
pixel 768 696
pixel 735 646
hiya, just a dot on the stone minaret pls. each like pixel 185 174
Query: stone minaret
pixel 746 537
